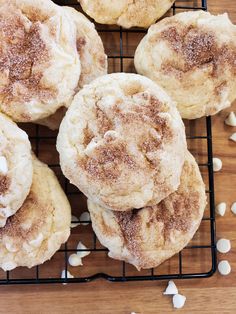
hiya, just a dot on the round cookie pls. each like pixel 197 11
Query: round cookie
pixel 15 168
pixel 92 57
pixel 40 226
pixel 192 56
pixel 148 236
pixel 122 142
pixel 126 13
pixel 39 64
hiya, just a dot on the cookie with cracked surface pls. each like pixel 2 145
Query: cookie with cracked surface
pixel 15 168
pixel 92 57
pixel 39 63
pixel 122 142
pixel 147 237
pixel 126 13
pixel 40 226
pixel 192 55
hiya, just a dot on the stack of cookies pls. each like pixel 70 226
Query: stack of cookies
pixel 123 144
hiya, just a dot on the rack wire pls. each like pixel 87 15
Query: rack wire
pixel 197 260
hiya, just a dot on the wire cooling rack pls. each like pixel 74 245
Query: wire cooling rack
pixel 198 259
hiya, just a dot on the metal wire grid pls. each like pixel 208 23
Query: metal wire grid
pixel 36 277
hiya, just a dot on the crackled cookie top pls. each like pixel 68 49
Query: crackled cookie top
pixel 147 237
pixel 39 64
pixel 192 55
pixel 126 13
pixel 122 142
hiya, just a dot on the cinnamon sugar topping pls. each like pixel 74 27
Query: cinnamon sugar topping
pixel 199 48
pixel 107 160
pixel 22 52
pixel 175 214
pixel 4 184
pixel 88 135
pixel 80 43
pixel 151 145
pixel 103 122
pixel 13 227
pixel 130 224
pixel 179 219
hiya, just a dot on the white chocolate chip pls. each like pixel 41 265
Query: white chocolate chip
pixel 178 301
pixel 221 208
pixel 223 245
pixel 89 150
pixel 63 275
pixel 233 137
pixel 74 223
pixel 84 217
pixel 75 260
pixel 231 119
pixel 110 135
pixel 171 288
pixel 10 247
pixel 217 164
pixel 82 254
pixel 3 165
pixel 26 225
pixel 224 268
pixel 37 241
pixel 233 208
